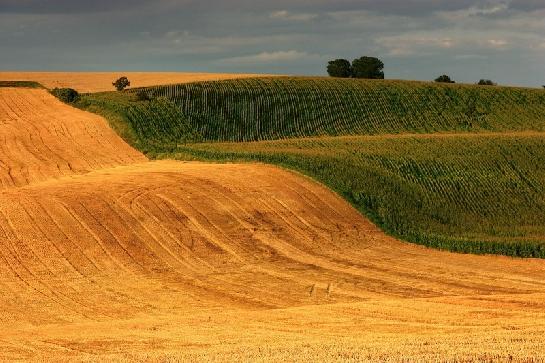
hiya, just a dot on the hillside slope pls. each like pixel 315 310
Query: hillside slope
pixel 165 260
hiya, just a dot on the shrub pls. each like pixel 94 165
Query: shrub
pixel 121 83
pixel 142 96
pixel 66 95
pixel 444 79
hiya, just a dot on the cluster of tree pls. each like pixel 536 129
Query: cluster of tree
pixel 364 67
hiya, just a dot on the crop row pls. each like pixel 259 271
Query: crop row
pixel 159 123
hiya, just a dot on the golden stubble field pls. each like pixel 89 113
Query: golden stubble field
pixel 102 81
pixel 105 256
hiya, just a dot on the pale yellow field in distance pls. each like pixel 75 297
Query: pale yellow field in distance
pixel 105 256
pixel 102 81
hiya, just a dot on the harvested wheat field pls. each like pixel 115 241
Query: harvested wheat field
pixel 105 256
pixel 42 138
pixel 102 81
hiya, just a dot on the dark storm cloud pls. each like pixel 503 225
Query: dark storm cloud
pixel 66 6
pixel 412 7
pixel 406 7
pixel 469 39
pixel 527 5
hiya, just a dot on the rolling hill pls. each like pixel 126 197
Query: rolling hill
pixel 125 259
pixel 456 167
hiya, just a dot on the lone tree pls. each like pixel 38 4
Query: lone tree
pixel 444 79
pixel 339 68
pixel 121 83
pixel 486 82
pixel 368 67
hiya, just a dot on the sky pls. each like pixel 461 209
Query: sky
pixel 502 40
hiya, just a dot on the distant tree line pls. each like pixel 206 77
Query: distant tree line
pixel 373 68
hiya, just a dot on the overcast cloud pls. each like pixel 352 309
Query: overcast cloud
pixel 417 39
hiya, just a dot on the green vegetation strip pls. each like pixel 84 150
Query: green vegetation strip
pixel 464 194
pixel 21 84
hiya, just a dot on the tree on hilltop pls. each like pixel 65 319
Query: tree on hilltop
pixel 121 83
pixel 340 68
pixel 368 67
pixel 486 82
pixel 444 79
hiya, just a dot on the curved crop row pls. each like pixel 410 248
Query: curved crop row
pixel 159 122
